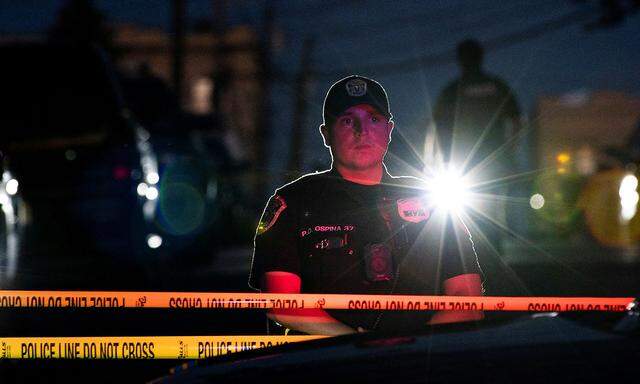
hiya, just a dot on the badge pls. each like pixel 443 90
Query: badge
pixel 412 210
pixel 378 262
pixel 356 87
pixel 276 206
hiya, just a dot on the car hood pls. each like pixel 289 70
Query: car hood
pixel 533 341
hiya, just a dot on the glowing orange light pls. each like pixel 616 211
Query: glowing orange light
pixel 563 158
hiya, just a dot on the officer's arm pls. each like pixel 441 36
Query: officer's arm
pixel 468 284
pixel 464 270
pixel 311 321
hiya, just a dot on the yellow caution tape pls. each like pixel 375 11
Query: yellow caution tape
pixel 146 347
pixel 242 300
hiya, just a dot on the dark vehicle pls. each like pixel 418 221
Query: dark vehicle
pixel 541 348
pixel 78 159
pixel 205 205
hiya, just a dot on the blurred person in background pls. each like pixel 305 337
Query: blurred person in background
pixel 355 229
pixel 477 117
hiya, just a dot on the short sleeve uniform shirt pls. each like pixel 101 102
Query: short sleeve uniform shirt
pixel 343 237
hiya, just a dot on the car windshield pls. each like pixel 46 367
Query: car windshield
pixel 284 171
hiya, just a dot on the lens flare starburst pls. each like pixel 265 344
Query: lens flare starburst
pixel 449 190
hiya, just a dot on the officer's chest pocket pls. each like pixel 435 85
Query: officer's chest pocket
pixel 328 253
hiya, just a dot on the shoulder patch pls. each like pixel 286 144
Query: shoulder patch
pixel 412 210
pixel 276 206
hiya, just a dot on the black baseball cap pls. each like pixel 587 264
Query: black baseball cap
pixel 354 90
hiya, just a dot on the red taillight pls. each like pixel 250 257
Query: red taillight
pixel 121 172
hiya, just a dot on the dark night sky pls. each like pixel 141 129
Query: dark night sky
pixel 368 34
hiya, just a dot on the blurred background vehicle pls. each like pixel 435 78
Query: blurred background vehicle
pixel 98 190
pixel 204 206
pixel 76 156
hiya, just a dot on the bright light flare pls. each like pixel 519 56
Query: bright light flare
pixel 153 178
pixel 449 190
pixel 629 197
pixel 142 189
pixel 151 193
pixel 154 241
pixel 537 201
pixel 11 187
pixel 563 158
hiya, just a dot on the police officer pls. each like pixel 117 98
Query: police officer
pixel 477 117
pixel 476 110
pixel 355 229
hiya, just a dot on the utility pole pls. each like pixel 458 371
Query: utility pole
pixel 220 71
pixel 178 42
pixel 264 114
pixel 303 83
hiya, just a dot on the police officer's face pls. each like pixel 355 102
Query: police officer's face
pixel 359 138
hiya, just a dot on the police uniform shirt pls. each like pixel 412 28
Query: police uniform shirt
pixel 330 231
pixel 478 111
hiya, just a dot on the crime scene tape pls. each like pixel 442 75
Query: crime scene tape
pixel 226 300
pixel 151 347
